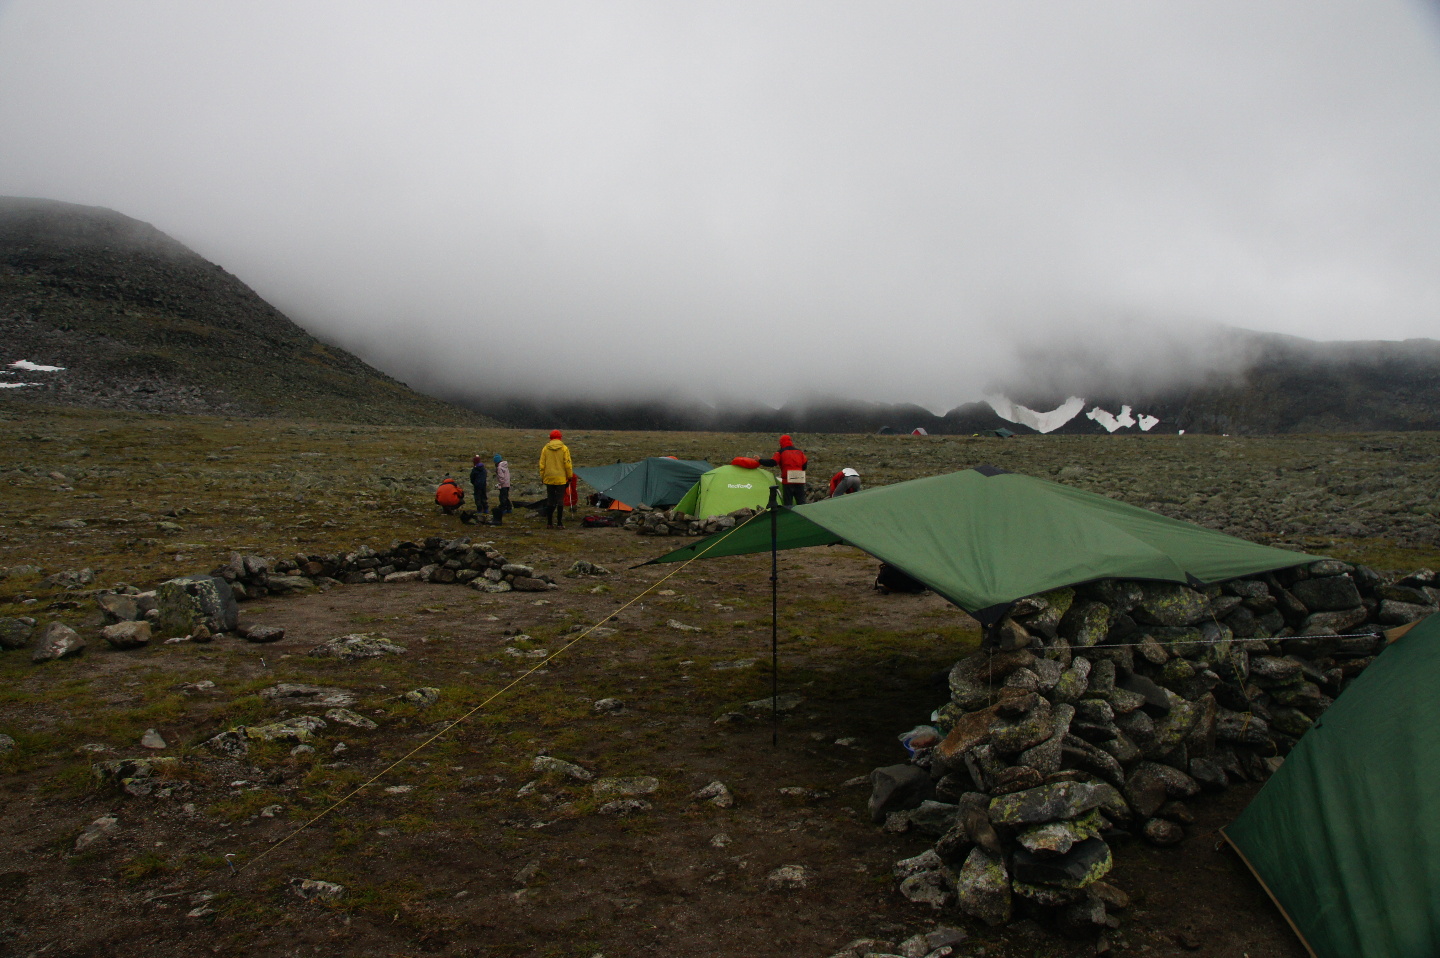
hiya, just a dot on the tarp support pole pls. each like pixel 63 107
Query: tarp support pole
pixel 774 621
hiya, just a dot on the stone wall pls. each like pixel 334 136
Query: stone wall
pixel 1093 714
pixel 435 559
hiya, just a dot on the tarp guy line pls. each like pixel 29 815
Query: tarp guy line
pixel 517 680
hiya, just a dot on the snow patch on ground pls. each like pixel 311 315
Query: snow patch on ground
pixel 28 366
pixel 1038 421
pixel 1148 423
pixel 16 385
pixel 1112 422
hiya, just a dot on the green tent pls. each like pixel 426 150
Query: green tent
pixel 983 538
pixel 1341 835
pixel 725 489
pixel 658 481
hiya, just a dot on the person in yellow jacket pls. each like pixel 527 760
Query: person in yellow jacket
pixel 555 472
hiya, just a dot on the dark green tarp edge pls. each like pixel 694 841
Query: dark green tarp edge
pixel 984 539
pixel 1343 835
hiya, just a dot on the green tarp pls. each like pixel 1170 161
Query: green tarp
pixel 1341 835
pixel 658 481
pixel 725 489
pixel 983 538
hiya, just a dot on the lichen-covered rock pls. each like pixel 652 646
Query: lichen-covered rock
pixel 1047 803
pixel 127 635
pixel 1158 831
pixel 301 728
pixel 1057 838
pixel 1170 604
pixel 633 785
pixel 342 716
pixel 1086 862
pixel 548 763
pixel 1046 756
pixel 1327 594
pixel 422 698
pixel 934 888
pixel 58 641
pixel 1009 736
pixel 289 584
pixel 982 888
pixel 14 634
pixel 974 679
pixel 1086 624
pixel 1074 681
pixel 298 695
pixel 360 645
pixel 1150 784
pixel 118 607
pixel 188 601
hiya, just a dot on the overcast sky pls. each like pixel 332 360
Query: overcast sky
pixel 882 200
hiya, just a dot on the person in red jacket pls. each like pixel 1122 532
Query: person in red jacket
pixel 449 496
pixel 790 462
pixel 844 482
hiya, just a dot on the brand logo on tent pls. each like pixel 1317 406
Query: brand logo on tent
pixel 737 485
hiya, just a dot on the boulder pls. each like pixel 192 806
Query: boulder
pixel 1150 784
pixel 127 635
pixel 188 601
pixel 14 634
pixel 261 634
pixel 118 607
pixel 58 641
pixel 897 788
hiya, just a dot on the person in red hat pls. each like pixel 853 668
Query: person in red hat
pixel 449 496
pixel 790 461
pixel 555 471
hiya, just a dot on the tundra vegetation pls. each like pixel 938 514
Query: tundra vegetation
pixel 617 841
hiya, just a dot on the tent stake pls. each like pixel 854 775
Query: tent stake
pixel 774 623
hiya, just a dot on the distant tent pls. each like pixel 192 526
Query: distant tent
pixel 1341 835
pixel 919 431
pixel 725 489
pixel 983 538
pixel 659 482
pixel 1003 433
pixel 885 431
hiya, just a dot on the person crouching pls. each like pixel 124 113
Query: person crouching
pixel 449 496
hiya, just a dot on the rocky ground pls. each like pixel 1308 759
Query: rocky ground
pixel 555 802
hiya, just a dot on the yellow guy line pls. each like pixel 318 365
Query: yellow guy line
pixel 518 679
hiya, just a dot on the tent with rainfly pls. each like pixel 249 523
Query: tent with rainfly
pixel 983 538
pixel 659 481
pixel 1342 835
pixel 725 489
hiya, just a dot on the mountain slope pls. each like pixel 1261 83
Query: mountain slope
pixel 136 320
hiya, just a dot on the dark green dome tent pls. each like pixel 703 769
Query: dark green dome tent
pixel 658 482
pixel 1341 836
pixel 983 538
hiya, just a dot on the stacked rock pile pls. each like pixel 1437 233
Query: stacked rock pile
pixel 436 559
pixel 668 522
pixel 1092 714
pixel 201 607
